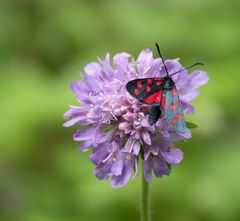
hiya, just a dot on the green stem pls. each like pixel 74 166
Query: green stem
pixel 145 199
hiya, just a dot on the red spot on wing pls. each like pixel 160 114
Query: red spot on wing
pixel 158 83
pixel 149 81
pixel 179 116
pixel 163 103
pixel 174 121
pixel 158 98
pixel 172 107
pixel 148 88
pixel 154 98
pixel 174 92
pixel 139 84
pixel 178 103
pixel 136 91
pixel 157 79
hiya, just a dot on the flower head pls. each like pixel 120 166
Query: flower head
pixel 116 125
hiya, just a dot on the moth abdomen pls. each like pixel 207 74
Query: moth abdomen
pixel 154 114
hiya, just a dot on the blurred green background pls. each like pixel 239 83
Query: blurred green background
pixel 43 46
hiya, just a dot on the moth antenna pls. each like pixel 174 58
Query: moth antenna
pixel 160 55
pixel 195 64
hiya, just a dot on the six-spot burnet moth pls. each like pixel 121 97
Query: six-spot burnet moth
pixel 161 94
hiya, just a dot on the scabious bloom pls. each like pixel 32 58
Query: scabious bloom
pixel 115 125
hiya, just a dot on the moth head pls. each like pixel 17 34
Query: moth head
pixel 168 83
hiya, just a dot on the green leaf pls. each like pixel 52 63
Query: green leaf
pixel 169 166
pixel 191 125
pixel 107 128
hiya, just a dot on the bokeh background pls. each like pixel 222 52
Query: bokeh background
pixel 43 46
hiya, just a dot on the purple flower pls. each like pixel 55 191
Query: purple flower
pixel 115 124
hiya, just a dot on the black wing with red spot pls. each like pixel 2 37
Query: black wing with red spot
pixel 146 90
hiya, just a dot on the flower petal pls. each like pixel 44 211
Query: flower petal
pixel 128 145
pixel 93 69
pixel 193 81
pixel 92 82
pixel 92 134
pixel 74 111
pixel 107 71
pixel 129 116
pixel 85 146
pixel 81 90
pixel 103 170
pixel 190 96
pixel 118 165
pixel 146 137
pixel 85 134
pixel 126 127
pixel 172 155
pixel 174 137
pixel 144 60
pixel 197 79
pixel 159 167
pixel 99 155
pixel 79 119
pixel 147 170
pixel 136 147
pixel 172 67
pixel 121 180
pixel 187 107
pixel 121 61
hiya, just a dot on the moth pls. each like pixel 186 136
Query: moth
pixel 161 94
